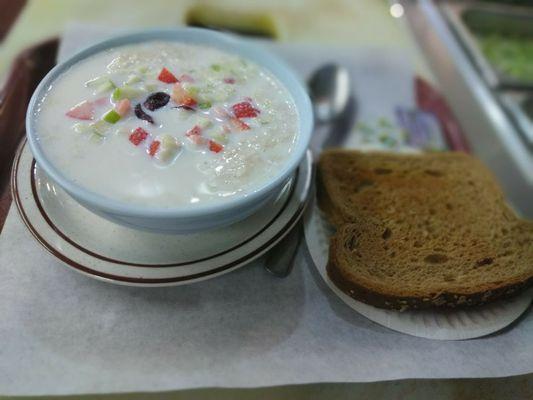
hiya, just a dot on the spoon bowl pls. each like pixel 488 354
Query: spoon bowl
pixel 329 89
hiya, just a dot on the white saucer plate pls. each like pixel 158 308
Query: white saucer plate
pixel 459 324
pixel 104 250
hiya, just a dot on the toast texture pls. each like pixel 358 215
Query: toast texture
pixel 421 231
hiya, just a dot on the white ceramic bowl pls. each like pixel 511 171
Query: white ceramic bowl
pixel 179 219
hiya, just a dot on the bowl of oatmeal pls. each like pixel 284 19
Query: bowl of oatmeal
pixel 176 130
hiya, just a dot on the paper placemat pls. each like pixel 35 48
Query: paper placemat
pixel 64 333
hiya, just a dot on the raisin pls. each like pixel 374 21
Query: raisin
pixel 185 107
pixel 156 100
pixel 139 113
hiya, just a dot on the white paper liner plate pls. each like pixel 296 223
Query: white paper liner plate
pixel 441 325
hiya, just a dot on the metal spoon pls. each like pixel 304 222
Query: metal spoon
pixel 334 106
pixel 334 109
pixel 329 89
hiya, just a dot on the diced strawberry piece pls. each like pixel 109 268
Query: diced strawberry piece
pixel 215 147
pixel 231 81
pixel 186 78
pixel 195 130
pixel 195 135
pixel 245 110
pixel 166 76
pixel 123 107
pixel 181 97
pixel 189 102
pixel 239 125
pixel 154 147
pixel 83 110
pixel 138 136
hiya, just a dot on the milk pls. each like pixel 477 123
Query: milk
pixel 101 157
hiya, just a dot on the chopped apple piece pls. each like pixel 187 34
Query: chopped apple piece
pixel 123 107
pixel 111 116
pixel 126 92
pixel 168 149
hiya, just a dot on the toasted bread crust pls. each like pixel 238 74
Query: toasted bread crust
pixel 325 202
pixel 339 197
pixel 404 303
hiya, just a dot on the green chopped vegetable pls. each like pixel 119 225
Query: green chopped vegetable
pixel 190 89
pixel 105 87
pixel 80 127
pixel 101 84
pixel 142 69
pixel 116 95
pixel 150 87
pixel 167 140
pixel 168 148
pixel 133 79
pixel 112 117
pixel 100 127
pixel 204 122
pixel 96 81
pixel 216 67
pixel 96 138
pixel 126 92
pixel 221 138
pixel 204 105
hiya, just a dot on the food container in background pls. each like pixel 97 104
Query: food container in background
pixel 498 38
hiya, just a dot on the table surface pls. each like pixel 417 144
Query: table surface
pixel 356 22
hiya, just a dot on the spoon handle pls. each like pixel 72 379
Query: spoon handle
pixel 280 260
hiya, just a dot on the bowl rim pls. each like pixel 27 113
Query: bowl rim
pixel 223 41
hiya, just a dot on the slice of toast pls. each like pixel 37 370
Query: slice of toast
pixel 418 231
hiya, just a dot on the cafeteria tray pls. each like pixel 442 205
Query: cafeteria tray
pixel 467 18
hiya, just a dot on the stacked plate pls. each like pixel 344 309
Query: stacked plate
pixel 94 246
